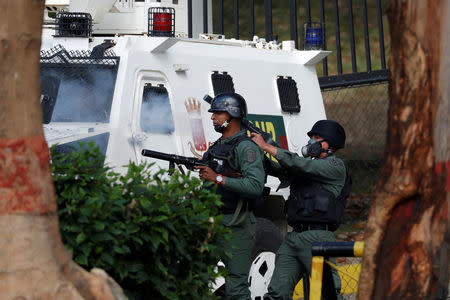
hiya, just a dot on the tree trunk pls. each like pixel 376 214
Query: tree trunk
pixel 407 234
pixel 33 261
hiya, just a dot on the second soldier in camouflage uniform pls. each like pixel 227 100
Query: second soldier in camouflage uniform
pixel 318 189
pixel 240 183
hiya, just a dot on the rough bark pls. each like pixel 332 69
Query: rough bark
pixel 406 244
pixel 33 261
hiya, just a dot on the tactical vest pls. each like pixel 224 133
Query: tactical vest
pixel 310 203
pixel 223 154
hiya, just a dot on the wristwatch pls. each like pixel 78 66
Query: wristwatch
pixel 219 179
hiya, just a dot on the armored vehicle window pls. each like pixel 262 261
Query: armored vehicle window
pixel 222 83
pixel 156 113
pixel 287 90
pixel 100 140
pixel 77 87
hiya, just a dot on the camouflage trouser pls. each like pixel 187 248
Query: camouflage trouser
pixel 294 259
pixel 238 266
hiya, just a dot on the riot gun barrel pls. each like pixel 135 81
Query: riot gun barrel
pixel 161 155
pixel 189 162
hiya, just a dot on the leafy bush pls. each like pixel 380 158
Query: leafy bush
pixel 156 237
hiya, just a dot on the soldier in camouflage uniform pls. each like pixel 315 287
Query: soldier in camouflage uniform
pixel 240 183
pixel 318 191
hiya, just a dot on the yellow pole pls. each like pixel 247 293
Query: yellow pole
pixel 316 278
pixel 358 249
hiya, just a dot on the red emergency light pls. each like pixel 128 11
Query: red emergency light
pixel 161 21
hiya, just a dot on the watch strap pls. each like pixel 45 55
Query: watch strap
pixel 219 182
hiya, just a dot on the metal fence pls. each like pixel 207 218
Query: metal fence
pixel 349 269
pixel 363 111
pixel 322 284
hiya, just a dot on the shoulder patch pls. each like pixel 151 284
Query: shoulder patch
pixel 250 154
pixel 333 161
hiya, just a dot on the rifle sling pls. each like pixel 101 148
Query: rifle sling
pixel 235 220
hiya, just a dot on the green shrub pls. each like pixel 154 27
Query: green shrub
pixel 155 236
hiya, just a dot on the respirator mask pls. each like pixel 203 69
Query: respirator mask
pixel 313 149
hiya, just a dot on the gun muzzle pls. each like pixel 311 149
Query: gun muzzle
pixel 156 154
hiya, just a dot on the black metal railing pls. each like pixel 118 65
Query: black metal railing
pixel 330 13
pixel 205 16
pixel 356 77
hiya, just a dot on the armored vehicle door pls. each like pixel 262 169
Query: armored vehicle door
pixel 153 126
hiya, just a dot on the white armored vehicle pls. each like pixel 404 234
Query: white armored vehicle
pixel 124 73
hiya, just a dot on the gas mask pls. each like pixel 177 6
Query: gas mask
pixel 221 128
pixel 313 149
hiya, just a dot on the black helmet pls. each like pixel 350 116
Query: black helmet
pixel 331 131
pixel 232 103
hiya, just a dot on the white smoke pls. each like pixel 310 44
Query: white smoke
pixel 86 96
pixel 156 113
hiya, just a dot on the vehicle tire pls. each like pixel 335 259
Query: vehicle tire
pixel 267 237
pixel 267 242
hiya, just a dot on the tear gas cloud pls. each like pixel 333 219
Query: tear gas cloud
pixel 84 94
pixel 156 113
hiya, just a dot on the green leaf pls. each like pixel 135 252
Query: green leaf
pixel 102 237
pixel 85 249
pixel 81 260
pixel 159 218
pixel 107 258
pixel 80 238
pixel 98 226
pixel 126 249
pixel 137 240
pixel 116 231
pixel 118 250
pixel 135 267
